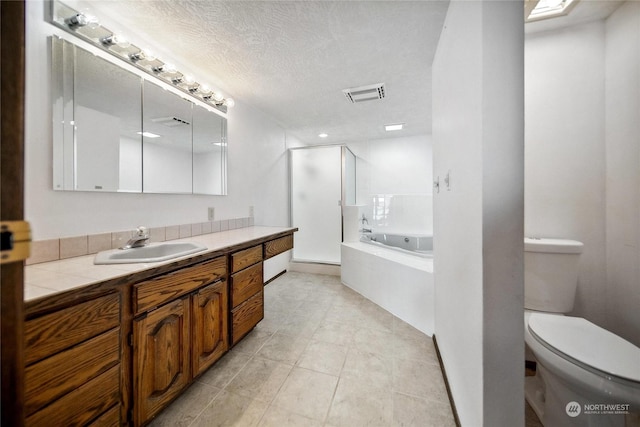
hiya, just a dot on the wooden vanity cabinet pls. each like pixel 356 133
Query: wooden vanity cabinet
pixel 120 351
pixel 72 374
pixel 179 339
pixel 247 297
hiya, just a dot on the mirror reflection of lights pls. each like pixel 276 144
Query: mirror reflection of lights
pixel 148 134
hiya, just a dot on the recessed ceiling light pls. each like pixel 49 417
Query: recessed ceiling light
pixel 323 135
pixel 148 134
pixel 396 126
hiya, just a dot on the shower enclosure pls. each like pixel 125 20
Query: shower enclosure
pixel 323 180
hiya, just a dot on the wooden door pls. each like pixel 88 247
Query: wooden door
pixel 160 357
pixel 12 16
pixel 210 326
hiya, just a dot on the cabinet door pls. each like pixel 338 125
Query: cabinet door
pixel 210 314
pixel 161 357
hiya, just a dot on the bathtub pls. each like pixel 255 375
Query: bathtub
pixel 420 245
pixel 396 279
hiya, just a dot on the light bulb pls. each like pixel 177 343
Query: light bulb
pixel 229 102
pixel 92 22
pixel 121 41
pixel 148 55
pixel 116 39
pixel 217 96
pixel 165 68
pixel 77 20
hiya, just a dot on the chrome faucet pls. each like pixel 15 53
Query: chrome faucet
pixel 364 220
pixel 139 239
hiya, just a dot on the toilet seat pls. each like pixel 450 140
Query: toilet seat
pixel 587 345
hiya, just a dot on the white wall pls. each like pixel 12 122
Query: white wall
pixel 257 167
pixel 400 166
pixel 622 131
pixel 477 134
pixel 565 151
pixel 582 162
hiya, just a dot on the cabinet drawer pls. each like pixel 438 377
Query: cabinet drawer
pixel 277 246
pixel 246 316
pixel 52 378
pixel 49 334
pixel 245 258
pixel 111 418
pixel 155 292
pixel 245 284
pixel 83 404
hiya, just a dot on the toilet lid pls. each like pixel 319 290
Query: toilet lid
pixel 588 344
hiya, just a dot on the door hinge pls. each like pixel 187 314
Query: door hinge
pixel 130 340
pixel 15 241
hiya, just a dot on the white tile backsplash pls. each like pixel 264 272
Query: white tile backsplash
pixel 185 231
pixel 99 242
pixel 172 232
pixel 69 247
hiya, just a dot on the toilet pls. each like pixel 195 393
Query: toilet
pixel 585 375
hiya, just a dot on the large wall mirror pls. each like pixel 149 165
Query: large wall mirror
pixel 167 138
pixel 114 131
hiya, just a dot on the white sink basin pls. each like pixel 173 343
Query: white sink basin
pixel 154 252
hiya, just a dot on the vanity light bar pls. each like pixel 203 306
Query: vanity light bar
pixel 89 29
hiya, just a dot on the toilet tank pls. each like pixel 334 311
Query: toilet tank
pixel 550 274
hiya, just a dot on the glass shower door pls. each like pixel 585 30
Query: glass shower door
pixel 316 192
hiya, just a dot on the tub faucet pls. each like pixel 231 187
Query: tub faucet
pixel 139 239
pixel 364 219
pixel 365 230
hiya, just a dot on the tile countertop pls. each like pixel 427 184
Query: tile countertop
pixel 53 277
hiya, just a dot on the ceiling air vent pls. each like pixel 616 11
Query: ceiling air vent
pixel 364 93
pixel 170 121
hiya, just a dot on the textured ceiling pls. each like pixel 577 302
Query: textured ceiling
pixel 291 59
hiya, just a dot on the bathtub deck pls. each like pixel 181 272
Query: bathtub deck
pixel 398 282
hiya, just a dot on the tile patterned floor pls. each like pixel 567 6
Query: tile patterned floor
pixel 323 356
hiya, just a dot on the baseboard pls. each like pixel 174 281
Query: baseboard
pixel 314 268
pixel 275 277
pixel 446 383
